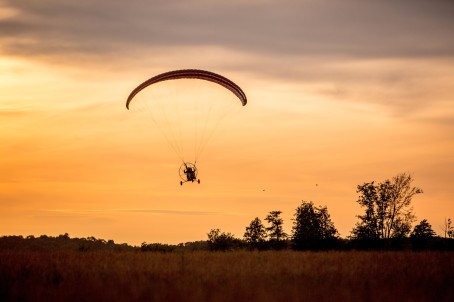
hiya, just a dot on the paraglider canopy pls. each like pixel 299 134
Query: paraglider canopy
pixel 191 74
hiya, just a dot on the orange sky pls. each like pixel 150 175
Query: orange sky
pixel 339 94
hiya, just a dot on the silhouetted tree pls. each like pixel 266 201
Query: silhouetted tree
pixel 255 234
pixel 423 230
pixel 312 227
pixel 388 211
pixel 275 231
pixel 448 229
pixel 194 245
pixel 422 236
pixel 220 241
pixel 157 247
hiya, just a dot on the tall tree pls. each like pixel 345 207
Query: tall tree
pixel 312 227
pixel 448 229
pixel 275 231
pixel 388 211
pixel 255 234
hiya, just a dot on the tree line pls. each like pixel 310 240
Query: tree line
pixel 386 223
pixel 60 242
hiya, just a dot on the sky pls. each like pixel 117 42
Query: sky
pixel 339 93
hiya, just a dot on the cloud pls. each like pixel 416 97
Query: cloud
pixel 337 46
pixel 169 212
pixel 349 28
pixel 146 211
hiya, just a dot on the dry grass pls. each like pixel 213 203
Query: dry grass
pixel 231 276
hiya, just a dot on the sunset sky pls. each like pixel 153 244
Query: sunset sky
pixel 339 93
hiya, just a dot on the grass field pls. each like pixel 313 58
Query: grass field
pixel 226 276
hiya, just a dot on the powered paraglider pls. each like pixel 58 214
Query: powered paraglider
pixel 186 110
